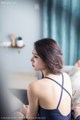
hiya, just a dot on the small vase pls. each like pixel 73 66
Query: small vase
pixel 19 42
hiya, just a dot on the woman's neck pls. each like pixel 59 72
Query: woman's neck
pixel 46 73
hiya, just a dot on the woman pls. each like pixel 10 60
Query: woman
pixel 50 97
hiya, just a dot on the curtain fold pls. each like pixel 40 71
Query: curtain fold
pixel 61 21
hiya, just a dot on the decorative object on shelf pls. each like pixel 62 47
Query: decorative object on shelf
pixel 13 39
pixel 5 43
pixel 19 42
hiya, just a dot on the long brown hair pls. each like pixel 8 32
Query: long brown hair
pixel 50 52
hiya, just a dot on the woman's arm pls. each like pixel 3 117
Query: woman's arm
pixel 33 102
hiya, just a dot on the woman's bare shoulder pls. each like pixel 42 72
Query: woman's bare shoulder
pixel 36 82
pixel 35 85
pixel 66 75
pixel 67 83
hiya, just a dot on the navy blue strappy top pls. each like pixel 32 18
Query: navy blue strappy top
pixel 54 114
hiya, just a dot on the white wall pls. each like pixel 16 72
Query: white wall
pixel 21 17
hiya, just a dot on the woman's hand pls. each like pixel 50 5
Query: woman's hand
pixel 22 114
pixel 24 109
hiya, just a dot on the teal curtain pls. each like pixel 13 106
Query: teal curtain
pixel 61 21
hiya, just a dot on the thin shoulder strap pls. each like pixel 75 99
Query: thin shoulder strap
pixel 59 85
pixel 61 91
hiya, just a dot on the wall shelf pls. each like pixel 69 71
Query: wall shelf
pixel 16 46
